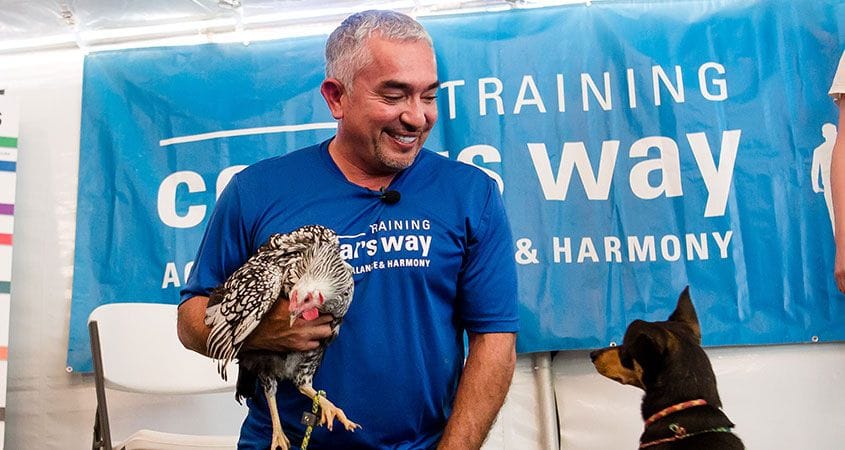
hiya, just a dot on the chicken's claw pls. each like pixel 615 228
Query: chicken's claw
pixel 330 412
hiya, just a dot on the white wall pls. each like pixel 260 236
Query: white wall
pixel 781 397
pixel 47 407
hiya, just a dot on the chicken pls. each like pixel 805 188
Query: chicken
pixel 304 266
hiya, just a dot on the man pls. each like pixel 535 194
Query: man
pixel 427 267
pixel 837 173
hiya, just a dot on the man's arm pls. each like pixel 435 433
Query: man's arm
pixel 273 333
pixel 190 324
pixel 837 185
pixel 481 392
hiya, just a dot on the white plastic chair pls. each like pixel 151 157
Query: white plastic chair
pixel 135 348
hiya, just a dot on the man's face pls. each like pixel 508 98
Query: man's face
pixel 391 107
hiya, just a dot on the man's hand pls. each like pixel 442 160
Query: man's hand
pixel 481 392
pixel 274 332
pixel 839 270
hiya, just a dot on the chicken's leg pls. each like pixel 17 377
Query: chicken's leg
pixel 280 441
pixel 329 410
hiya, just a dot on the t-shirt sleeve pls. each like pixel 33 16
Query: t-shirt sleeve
pixel 224 247
pixel 488 283
pixel 838 86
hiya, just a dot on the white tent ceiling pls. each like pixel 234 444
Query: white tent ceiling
pixel 29 25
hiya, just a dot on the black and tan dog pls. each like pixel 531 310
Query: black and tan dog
pixel 681 406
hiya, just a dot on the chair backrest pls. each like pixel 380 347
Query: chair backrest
pixel 140 352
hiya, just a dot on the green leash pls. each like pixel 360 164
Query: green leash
pixel 310 419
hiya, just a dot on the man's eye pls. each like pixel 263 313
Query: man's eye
pixel 429 98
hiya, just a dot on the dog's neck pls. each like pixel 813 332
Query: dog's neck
pixel 673 409
pixel 681 421
pixel 676 387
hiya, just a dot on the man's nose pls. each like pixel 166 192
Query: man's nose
pixel 416 115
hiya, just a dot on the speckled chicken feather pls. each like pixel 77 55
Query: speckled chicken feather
pixel 306 255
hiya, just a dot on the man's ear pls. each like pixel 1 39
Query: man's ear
pixel 334 92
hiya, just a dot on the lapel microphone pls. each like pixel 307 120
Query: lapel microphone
pixel 389 196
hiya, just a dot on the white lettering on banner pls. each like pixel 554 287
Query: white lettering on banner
pixel 450 89
pixel 167 200
pixel 167 196
pixel 605 101
pixel 179 188
pixel 674 253
pixel 224 177
pixel 536 100
pixel 677 91
pixel 723 242
pixel 632 90
pixel 488 154
pixel 171 275
pixel 717 179
pixel 712 86
pixel 720 83
pixel 484 95
pixel 587 250
pixel 574 156
pixel 648 248
pixel 668 164
pixel 561 95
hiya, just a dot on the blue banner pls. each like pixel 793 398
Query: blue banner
pixel 640 147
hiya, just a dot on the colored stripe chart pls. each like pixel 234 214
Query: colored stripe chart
pixel 9 120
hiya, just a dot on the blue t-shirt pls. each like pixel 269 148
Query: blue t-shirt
pixel 436 263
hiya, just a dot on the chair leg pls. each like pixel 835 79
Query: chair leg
pixel 102 432
pixel 97 441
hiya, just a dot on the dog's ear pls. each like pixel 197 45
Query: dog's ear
pixel 685 313
pixel 647 346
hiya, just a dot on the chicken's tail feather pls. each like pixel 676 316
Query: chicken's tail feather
pixel 219 343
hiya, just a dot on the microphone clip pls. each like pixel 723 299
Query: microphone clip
pixel 389 196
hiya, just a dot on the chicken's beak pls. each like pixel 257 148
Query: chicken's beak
pixel 304 309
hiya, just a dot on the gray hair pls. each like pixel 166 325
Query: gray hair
pixel 346 50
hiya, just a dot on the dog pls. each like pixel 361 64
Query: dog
pixel 681 406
